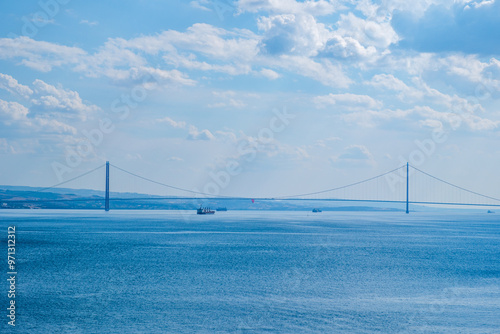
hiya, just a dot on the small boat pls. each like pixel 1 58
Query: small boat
pixel 489 211
pixel 317 210
pixel 222 209
pixel 205 211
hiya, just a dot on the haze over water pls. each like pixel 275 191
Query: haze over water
pixel 255 272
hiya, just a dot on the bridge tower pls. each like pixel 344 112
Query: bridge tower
pixel 106 203
pixel 407 185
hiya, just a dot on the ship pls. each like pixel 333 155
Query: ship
pixel 205 211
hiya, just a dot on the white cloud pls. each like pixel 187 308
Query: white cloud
pixel 230 103
pixel 224 94
pixel 112 59
pixel 172 123
pixel 347 47
pixel 484 75
pixel 39 55
pixel 431 123
pixel 135 156
pixel 5 146
pixel 451 102
pixel 292 34
pixel 11 85
pixel 477 3
pixel 421 92
pixel 476 123
pixel 455 121
pixel 271 150
pixel 270 74
pixel 190 62
pixel 195 134
pixel 325 142
pixel 226 136
pixel 203 38
pixel 15 116
pixel 151 77
pixel 228 100
pixel 348 101
pixel 302 35
pixel 49 105
pixel 41 20
pixel 230 52
pixel 52 99
pixel 201 4
pixel 354 155
pixel 54 126
pixel 89 23
pixel 388 81
pixel 423 115
pixel 382 10
pixel 356 152
pixel 492 68
pixel 325 71
pixel 175 159
pixel 12 111
pixel 313 7
pixel 367 32
pixel 236 103
pixel 368 8
pixel 391 83
pixel 411 63
pixel 201 47
pixel 466 66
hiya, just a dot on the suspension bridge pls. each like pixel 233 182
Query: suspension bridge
pixel 404 185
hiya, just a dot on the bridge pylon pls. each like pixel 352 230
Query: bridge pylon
pixel 106 200
pixel 407 186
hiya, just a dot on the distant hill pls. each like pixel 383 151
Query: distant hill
pixel 21 197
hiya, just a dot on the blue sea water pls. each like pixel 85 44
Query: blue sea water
pixel 253 272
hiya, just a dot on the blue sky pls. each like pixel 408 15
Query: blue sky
pixel 291 96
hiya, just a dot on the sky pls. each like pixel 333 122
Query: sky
pixel 249 97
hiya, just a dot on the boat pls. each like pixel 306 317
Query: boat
pixel 221 209
pixel 205 211
pixel 489 211
pixel 317 210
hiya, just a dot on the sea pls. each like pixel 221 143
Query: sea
pixel 252 272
